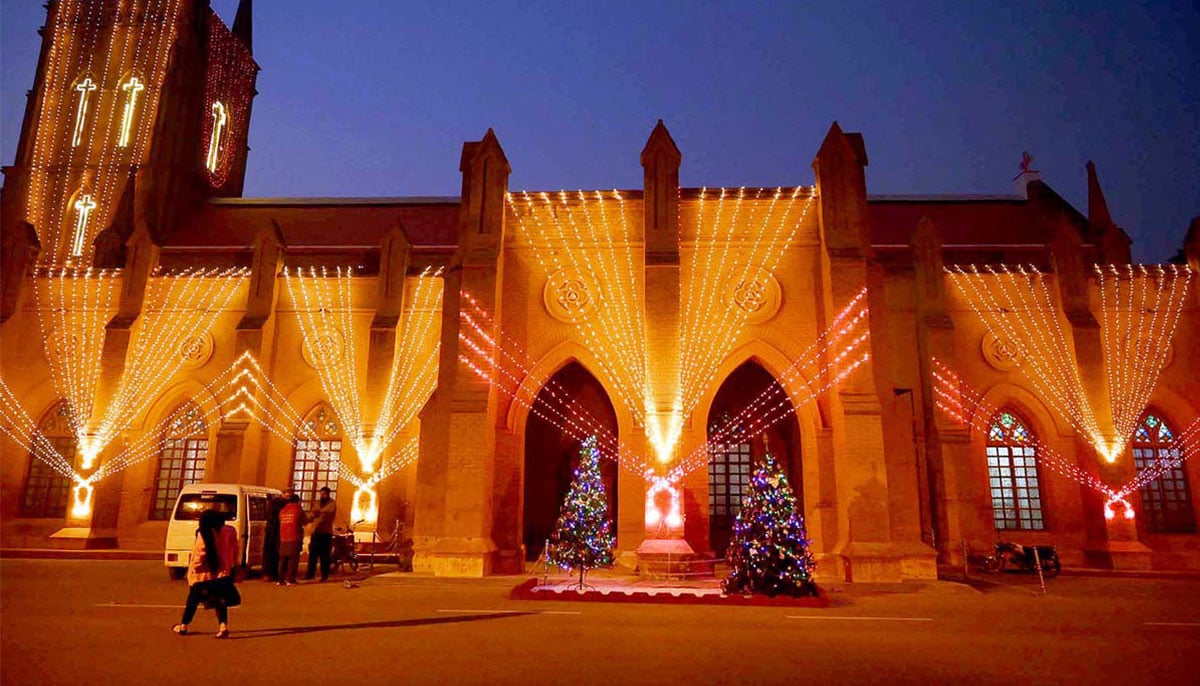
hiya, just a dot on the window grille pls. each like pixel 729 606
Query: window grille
pixel 182 460
pixel 318 456
pixel 47 492
pixel 1167 499
pixel 1013 475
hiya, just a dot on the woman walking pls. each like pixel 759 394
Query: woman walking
pixel 210 572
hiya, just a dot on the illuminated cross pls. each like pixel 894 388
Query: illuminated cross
pixel 84 87
pixel 84 206
pixel 133 86
pixel 214 141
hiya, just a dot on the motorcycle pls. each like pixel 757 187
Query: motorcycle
pixel 1010 555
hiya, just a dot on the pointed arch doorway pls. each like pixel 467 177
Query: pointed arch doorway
pixel 733 458
pixel 551 455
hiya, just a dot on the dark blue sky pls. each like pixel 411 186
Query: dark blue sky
pixel 365 98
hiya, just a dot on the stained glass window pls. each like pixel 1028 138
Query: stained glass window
pixel 182 460
pixel 46 490
pixel 1166 498
pixel 318 455
pixel 1013 475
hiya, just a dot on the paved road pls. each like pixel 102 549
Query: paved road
pixel 94 623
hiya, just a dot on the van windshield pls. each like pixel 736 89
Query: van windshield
pixel 192 504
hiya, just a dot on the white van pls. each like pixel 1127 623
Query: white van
pixel 245 506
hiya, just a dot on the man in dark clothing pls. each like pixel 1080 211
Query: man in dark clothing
pixel 271 540
pixel 321 543
pixel 291 534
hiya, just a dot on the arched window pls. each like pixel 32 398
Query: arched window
pixel 1013 475
pixel 184 452
pixel 1166 499
pixel 318 455
pixel 46 490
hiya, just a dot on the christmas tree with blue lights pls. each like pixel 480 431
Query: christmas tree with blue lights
pixel 582 538
pixel 768 551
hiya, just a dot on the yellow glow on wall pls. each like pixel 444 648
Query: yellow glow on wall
pixel 84 88
pixel 220 117
pixel 81 506
pixel 132 87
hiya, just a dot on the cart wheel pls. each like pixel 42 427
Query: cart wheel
pixel 993 564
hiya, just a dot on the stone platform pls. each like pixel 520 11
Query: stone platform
pixel 623 590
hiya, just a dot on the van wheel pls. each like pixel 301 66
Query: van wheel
pixel 176 573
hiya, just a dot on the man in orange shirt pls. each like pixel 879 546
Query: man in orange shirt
pixel 291 534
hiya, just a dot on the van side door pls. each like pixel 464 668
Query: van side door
pixel 256 528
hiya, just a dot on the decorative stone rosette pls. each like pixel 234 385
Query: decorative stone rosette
pixel 757 297
pixel 196 350
pixel 323 348
pixel 568 295
pixel 1000 352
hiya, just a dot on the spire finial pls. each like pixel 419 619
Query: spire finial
pixel 243 23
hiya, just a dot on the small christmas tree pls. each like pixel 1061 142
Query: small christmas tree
pixel 768 552
pixel 582 538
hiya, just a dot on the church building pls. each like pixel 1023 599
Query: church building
pixel 933 373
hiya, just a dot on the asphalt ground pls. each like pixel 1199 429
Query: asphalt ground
pixel 108 622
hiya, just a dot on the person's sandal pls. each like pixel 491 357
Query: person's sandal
pixel 180 629
pixel 223 632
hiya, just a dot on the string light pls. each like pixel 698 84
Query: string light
pixel 965 405
pixel 324 305
pixel 1140 307
pixel 830 359
pixel 229 82
pixel 1018 306
pixel 75 145
pixel 74 304
pixel 581 234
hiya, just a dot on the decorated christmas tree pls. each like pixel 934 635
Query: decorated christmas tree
pixel 582 537
pixel 768 552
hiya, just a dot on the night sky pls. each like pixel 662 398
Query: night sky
pixel 375 98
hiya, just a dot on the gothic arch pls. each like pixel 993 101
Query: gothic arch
pixel 731 463
pixel 550 455
pixel 548 365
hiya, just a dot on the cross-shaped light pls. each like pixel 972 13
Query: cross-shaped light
pixel 133 86
pixel 214 141
pixel 85 87
pixel 83 206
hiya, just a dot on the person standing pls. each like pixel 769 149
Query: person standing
pixel 321 544
pixel 291 534
pixel 210 572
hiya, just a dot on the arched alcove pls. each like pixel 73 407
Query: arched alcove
pixel 734 456
pixel 551 454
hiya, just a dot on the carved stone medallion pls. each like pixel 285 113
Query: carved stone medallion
pixel 567 295
pixel 757 297
pixel 323 348
pixel 1000 352
pixel 196 350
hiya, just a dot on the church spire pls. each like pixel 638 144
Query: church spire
pixel 1113 242
pixel 243 23
pixel 1098 214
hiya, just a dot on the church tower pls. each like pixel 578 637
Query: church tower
pixel 139 109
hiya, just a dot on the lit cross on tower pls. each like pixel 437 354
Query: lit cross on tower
pixel 84 206
pixel 133 86
pixel 214 141
pixel 85 87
